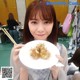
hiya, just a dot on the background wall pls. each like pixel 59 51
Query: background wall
pixel 61 10
pixel 28 2
pixel 79 4
pixel 7 6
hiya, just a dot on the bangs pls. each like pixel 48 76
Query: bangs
pixel 43 11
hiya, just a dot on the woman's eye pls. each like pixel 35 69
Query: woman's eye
pixel 46 22
pixel 34 22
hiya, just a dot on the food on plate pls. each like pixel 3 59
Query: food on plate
pixel 40 51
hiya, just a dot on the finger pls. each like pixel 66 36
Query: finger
pixel 59 58
pixel 16 51
pixel 53 67
pixel 18 46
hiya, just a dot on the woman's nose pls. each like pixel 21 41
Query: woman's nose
pixel 41 28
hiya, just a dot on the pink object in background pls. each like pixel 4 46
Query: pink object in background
pixel 66 23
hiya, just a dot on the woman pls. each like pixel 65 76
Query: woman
pixel 40 24
pixel 12 24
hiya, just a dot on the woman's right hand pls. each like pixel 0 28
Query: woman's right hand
pixel 15 52
pixel 23 71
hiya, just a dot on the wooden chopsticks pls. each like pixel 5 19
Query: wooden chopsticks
pixel 8 35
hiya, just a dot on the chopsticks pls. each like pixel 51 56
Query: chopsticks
pixel 8 35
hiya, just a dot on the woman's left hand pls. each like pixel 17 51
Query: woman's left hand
pixel 55 71
pixel 59 58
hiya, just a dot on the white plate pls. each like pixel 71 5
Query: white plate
pixel 28 61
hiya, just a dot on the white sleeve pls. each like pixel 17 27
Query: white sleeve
pixel 64 54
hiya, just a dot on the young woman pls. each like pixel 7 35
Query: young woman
pixel 40 24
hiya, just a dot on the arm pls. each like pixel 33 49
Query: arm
pixel 16 23
pixel 64 55
pixel 19 70
pixel 23 74
pixel 60 73
pixel 63 71
pixel 8 23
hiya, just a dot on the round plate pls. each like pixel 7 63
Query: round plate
pixel 28 61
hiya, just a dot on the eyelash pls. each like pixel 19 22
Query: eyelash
pixel 46 22
pixel 34 22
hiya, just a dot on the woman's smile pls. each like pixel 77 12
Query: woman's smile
pixel 40 34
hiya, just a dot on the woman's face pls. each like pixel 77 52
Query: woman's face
pixel 40 29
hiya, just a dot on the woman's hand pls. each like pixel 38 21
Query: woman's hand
pixel 15 52
pixel 55 69
pixel 59 58
pixel 23 72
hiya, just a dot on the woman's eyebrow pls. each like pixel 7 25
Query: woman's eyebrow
pixel 33 19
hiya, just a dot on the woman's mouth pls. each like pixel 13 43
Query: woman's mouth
pixel 40 34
